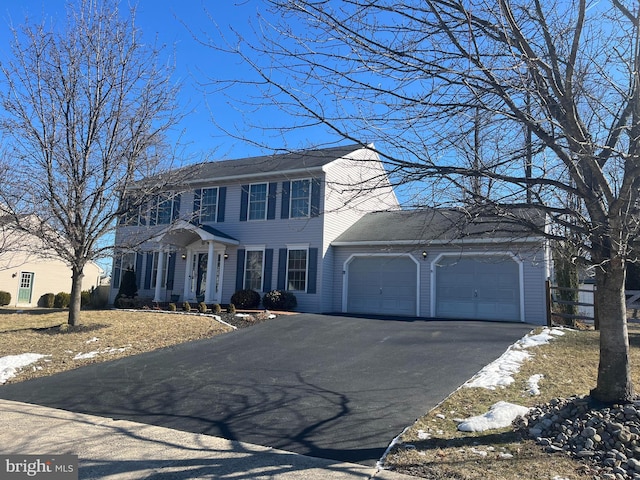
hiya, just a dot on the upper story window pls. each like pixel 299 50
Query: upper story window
pixel 300 198
pixel 163 209
pixel 258 201
pixel 133 213
pixel 206 204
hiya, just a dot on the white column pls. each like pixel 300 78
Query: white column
pixel 187 277
pixel 159 275
pixel 211 275
pixel 218 292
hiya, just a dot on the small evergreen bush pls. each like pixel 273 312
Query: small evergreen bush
pixel 5 298
pixel 62 300
pixel 279 300
pixel 246 299
pixel 47 300
pixel 202 307
pixel 172 307
pixel 85 298
pixel 231 309
pixel 216 308
pixel 186 306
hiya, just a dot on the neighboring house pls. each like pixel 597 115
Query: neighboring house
pixel 27 271
pixel 326 225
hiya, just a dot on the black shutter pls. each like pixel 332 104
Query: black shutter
pixel 271 201
pixel 197 195
pixel 244 203
pixel 268 269
pixel 282 269
pixel 240 269
pixel 312 270
pixel 147 273
pixel 138 269
pixel 176 208
pixel 171 270
pixel 222 203
pixel 286 192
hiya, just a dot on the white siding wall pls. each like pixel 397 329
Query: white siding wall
pixel 50 276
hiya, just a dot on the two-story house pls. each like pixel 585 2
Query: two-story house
pixel 262 223
pixel 327 226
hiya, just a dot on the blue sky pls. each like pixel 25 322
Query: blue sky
pixel 195 63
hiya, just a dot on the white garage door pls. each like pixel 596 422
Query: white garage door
pixel 382 285
pixel 478 287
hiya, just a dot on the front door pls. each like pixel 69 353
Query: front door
pixel 26 288
pixel 201 275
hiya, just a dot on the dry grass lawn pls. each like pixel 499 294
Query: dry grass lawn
pixel 103 335
pixel 433 448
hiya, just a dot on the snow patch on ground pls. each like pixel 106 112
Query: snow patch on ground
pixel 500 372
pixel 533 384
pixel 95 353
pixel 11 364
pixel 500 415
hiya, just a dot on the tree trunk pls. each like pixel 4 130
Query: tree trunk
pixel 614 372
pixel 76 296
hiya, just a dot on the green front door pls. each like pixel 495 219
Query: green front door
pixel 26 287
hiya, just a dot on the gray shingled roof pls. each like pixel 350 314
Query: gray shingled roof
pixel 264 165
pixel 436 225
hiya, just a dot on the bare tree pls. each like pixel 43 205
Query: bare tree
pixel 557 79
pixel 86 111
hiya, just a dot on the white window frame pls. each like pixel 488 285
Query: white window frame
pixel 249 250
pixel 154 269
pixel 202 205
pixel 292 210
pixel 296 248
pixel 265 201
pixel 119 260
pixel 154 211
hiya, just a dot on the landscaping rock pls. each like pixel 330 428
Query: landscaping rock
pixel 607 437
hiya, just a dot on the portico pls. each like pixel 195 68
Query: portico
pixel 203 249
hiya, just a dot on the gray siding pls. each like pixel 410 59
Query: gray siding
pixel 534 273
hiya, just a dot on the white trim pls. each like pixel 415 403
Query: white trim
pixel 272 174
pixel 244 270
pixel 266 202
pixel 352 257
pixel 515 258
pixel 428 243
pixel 299 247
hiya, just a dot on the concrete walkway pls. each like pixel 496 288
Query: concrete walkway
pixel 121 449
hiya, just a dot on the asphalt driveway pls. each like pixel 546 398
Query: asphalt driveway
pixel 327 386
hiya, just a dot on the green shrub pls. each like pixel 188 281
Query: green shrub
pixel 47 300
pixel 202 307
pixel 231 308
pixel 279 300
pixel 172 307
pixel 85 298
pixel 246 299
pixel 5 298
pixel 186 306
pixel 62 300
pixel 216 308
